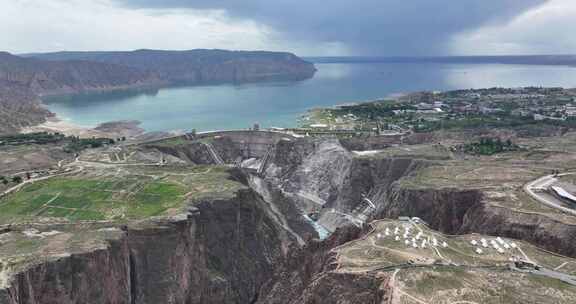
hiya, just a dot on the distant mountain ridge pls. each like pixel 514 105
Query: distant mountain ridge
pixel 569 60
pixel 23 79
pixel 19 107
pixel 201 66
pixel 50 77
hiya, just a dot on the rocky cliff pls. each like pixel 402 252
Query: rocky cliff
pixel 221 252
pixel 463 211
pixel 325 178
pixel 309 276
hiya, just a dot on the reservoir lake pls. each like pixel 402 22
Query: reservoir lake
pixel 280 104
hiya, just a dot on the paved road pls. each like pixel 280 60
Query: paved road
pixel 542 183
pixel 564 277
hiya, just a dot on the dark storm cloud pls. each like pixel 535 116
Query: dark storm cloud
pixel 387 27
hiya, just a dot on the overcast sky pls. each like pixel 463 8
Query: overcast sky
pixel 306 27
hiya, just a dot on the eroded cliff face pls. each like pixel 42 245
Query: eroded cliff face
pixel 221 252
pixel 325 178
pixel 454 211
pixel 221 255
pixel 193 152
pixel 312 171
pixel 545 232
pixel 310 276
pixel 99 276
pixel 442 209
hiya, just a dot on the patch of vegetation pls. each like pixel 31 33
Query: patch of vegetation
pixel 92 199
pixel 76 144
pixel 549 282
pixel 171 142
pixel 488 146
pixel 72 144
pixel 140 193
pixel 474 122
pixel 40 138
pixel 373 110
pixel 439 279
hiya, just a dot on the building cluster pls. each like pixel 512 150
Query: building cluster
pixel 413 240
pixel 536 103
pixel 426 111
pixel 499 245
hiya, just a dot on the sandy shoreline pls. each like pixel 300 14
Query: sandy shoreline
pixel 109 129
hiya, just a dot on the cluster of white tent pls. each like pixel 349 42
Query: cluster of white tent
pixel 497 244
pixel 417 241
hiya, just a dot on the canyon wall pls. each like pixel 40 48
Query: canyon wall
pixel 308 277
pixel 221 252
pixel 99 276
pixel 455 211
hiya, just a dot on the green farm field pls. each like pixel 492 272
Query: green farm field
pixel 135 194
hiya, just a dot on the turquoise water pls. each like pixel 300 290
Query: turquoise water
pixel 280 104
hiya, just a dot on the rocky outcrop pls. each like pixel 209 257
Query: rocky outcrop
pixel 324 177
pixel 221 252
pixel 371 142
pixel 231 146
pixel 310 276
pixel 345 288
pixel 190 152
pixel 101 276
pixel 221 255
pixel 442 209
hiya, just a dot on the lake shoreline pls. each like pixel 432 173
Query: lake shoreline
pixel 282 104
pixel 114 129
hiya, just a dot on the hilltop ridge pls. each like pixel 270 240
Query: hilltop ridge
pixel 201 65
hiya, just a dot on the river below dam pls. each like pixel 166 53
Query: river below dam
pixel 280 104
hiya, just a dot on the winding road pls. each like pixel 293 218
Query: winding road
pixel 534 189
